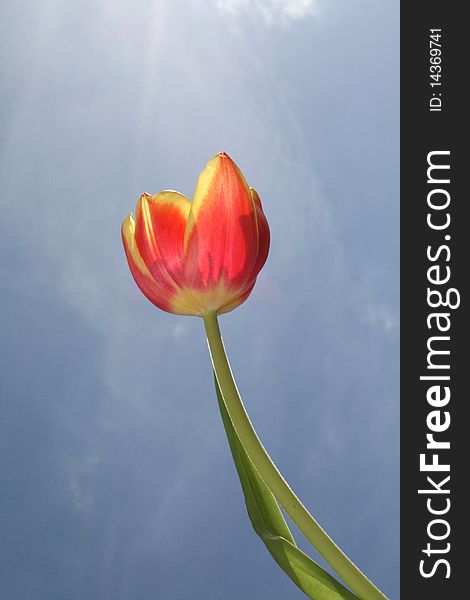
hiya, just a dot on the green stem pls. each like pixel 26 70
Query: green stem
pixel 337 560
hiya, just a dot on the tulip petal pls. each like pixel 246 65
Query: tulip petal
pixel 139 270
pixel 221 239
pixel 160 226
pixel 263 234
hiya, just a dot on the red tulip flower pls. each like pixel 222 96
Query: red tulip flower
pixel 199 257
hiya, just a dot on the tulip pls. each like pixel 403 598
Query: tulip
pixel 199 257
pixel 202 258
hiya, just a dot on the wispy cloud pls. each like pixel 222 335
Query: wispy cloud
pixel 271 11
pixel 381 315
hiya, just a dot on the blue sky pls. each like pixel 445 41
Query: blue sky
pixel 117 481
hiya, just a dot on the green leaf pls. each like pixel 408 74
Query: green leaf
pixel 269 523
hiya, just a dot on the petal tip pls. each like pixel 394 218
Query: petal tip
pixel 256 198
pixel 127 223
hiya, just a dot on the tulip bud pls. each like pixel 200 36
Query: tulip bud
pixel 199 257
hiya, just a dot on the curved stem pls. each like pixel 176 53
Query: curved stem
pixel 337 560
